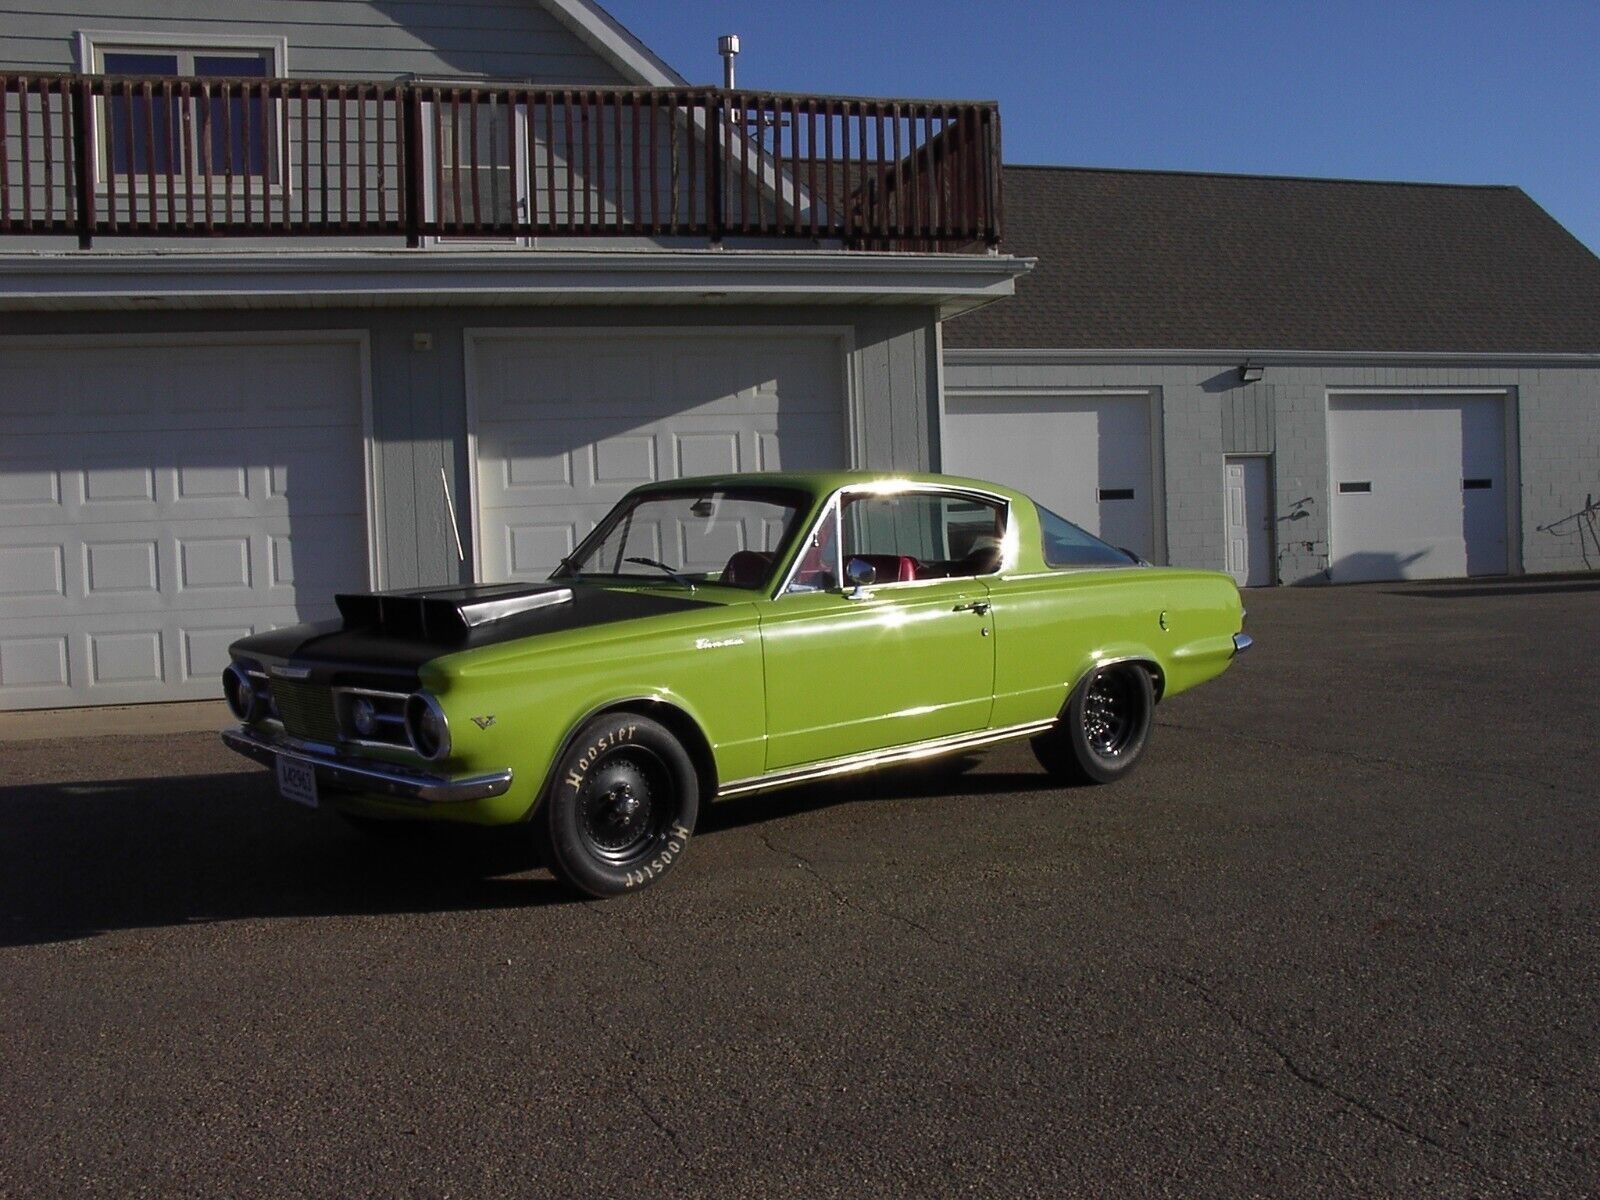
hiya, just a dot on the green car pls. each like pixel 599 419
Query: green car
pixel 720 636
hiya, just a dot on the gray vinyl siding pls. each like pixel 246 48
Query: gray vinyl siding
pixel 419 418
pixel 896 381
pixel 355 39
pixel 1248 418
pixel 1553 446
pixel 345 39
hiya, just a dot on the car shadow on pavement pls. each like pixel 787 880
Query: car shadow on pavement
pixel 928 780
pixel 82 858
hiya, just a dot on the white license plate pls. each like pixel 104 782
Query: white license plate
pixel 297 781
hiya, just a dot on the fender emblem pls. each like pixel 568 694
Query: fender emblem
pixel 483 722
pixel 716 643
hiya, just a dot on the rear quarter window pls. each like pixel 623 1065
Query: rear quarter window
pixel 1065 545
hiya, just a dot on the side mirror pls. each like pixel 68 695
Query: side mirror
pixel 861 574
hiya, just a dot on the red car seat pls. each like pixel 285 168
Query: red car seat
pixel 891 568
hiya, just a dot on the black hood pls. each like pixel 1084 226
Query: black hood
pixel 403 630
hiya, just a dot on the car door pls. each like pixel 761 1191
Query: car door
pixel 905 659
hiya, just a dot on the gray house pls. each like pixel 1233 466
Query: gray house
pixel 1296 380
pixel 305 296
pixel 299 296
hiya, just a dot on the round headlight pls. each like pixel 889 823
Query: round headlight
pixel 239 692
pixel 426 728
pixel 364 716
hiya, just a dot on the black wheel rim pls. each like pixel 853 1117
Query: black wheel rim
pixel 1110 715
pixel 626 805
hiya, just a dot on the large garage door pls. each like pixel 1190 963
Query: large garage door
pixel 567 423
pixel 159 501
pixel 1418 486
pixel 1085 457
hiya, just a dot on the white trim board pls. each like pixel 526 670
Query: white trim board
pixel 954 283
pixel 612 41
pixel 1110 356
pixel 87 42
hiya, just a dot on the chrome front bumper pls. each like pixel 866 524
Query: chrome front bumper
pixel 1241 643
pixel 372 778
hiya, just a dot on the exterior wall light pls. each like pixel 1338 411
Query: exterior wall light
pixel 1250 372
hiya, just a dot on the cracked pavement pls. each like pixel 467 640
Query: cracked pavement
pixel 1336 937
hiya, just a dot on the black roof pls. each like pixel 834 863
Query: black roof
pixel 1171 260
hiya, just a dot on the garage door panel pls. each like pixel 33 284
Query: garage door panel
pixel 1417 486
pixel 35 666
pixel 156 501
pixel 161 566
pixel 170 475
pixel 1085 457
pixel 565 426
pixel 127 389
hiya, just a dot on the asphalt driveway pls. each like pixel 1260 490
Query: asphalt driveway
pixel 1340 935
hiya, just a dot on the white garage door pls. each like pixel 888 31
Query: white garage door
pixel 567 423
pixel 1084 457
pixel 159 501
pixel 1418 486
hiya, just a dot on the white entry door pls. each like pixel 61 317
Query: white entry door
pixel 566 423
pixel 160 500
pixel 1248 505
pixel 1418 486
pixel 1086 457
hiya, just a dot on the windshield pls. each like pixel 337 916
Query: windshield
pixel 730 536
pixel 1065 545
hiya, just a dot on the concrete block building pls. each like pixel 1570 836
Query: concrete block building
pixel 1296 380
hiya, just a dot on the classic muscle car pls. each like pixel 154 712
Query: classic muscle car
pixel 720 636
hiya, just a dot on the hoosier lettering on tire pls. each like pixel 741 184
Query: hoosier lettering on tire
pixel 621 805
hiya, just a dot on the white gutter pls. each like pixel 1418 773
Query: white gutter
pixel 976 356
pixel 226 279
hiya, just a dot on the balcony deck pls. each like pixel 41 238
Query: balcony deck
pixel 101 157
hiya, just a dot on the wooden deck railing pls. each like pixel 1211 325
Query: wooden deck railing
pixel 105 156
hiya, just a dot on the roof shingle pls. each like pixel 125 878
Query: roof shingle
pixel 1166 260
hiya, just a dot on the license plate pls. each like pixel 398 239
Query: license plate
pixel 297 781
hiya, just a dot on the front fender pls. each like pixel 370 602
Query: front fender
pixel 520 706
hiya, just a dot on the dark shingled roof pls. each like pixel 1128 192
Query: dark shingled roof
pixel 1167 260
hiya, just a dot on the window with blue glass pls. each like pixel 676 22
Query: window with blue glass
pixel 167 133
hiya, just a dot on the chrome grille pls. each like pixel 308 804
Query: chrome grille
pixel 306 710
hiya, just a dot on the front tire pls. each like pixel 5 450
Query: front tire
pixel 1104 731
pixel 621 806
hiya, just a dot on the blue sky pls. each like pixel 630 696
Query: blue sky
pixel 1460 92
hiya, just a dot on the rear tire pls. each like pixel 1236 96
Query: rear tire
pixel 1105 728
pixel 620 808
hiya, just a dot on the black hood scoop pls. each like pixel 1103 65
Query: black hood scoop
pixel 445 614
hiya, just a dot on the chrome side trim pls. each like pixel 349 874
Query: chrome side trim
pixel 1242 642
pixel 359 691
pixel 386 779
pixel 881 758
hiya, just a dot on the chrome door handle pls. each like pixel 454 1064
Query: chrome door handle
pixel 978 606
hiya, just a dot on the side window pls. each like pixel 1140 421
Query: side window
pixel 924 535
pixel 1065 545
